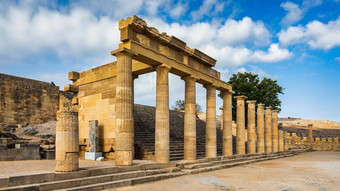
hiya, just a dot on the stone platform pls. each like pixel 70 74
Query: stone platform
pixel 109 176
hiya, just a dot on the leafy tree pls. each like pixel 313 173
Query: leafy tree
pixel 180 105
pixel 264 91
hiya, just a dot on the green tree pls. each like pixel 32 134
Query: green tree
pixel 264 91
pixel 180 105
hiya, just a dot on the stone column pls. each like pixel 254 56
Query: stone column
pixel 210 130
pixel 251 143
pixel 162 131
pixel 67 137
pixel 268 130
pixel 310 136
pixel 227 124
pixel 124 140
pixel 275 133
pixel 240 125
pixel 285 141
pixel 281 142
pixel 260 128
pixel 190 119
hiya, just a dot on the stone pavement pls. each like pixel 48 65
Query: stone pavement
pixel 306 171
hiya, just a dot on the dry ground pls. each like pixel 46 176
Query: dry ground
pixel 315 171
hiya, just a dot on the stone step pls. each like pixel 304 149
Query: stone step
pixel 76 182
pixel 126 182
pixel 227 165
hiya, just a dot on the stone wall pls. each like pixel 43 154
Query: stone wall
pixel 20 152
pixel 96 101
pixel 26 101
pixel 320 144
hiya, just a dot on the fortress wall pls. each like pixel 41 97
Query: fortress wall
pixel 27 101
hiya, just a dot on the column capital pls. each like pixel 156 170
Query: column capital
pixel 269 107
pixel 206 86
pixel 188 78
pixel 163 66
pixel 124 50
pixel 260 104
pixel 275 110
pixel 240 97
pixel 251 102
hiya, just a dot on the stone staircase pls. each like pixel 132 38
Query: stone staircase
pixel 112 177
pixel 145 134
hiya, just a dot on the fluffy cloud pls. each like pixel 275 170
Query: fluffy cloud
pixel 243 31
pixel 78 34
pixel 295 12
pixel 316 34
pixel 209 7
pixel 237 56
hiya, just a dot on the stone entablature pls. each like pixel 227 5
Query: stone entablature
pixel 154 48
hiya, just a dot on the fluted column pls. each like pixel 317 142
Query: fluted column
pixel 162 131
pixel 124 140
pixel 310 136
pixel 281 142
pixel 285 141
pixel 67 137
pixel 240 125
pixel 190 119
pixel 227 124
pixel 210 130
pixel 268 130
pixel 275 133
pixel 260 128
pixel 251 143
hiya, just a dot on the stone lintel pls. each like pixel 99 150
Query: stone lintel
pixel 241 97
pixel 73 76
pixel 251 102
pixel 124 51
pixel 138 25
pixel 71 88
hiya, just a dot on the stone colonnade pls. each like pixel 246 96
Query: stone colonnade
pixel 258 142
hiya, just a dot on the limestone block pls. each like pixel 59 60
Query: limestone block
pixel 92 155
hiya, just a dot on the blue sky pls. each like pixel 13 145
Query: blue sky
pixel 296 43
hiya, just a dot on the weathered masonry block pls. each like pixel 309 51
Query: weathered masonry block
pixel 26 101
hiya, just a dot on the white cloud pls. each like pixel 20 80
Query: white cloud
pixel 237 56
pixel 295 12
pixel 209 7
pixel 337 59
pixel 316 34
pixel 178 10
pixel 77 34
pixel 242 31
pixel 273 54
